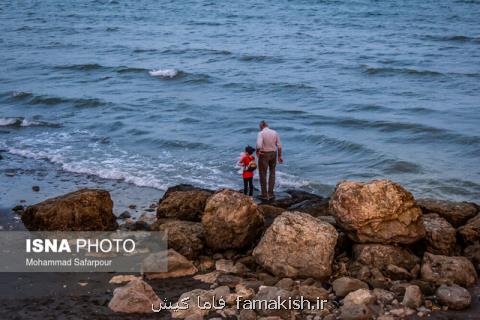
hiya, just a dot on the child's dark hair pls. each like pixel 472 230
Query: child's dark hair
pixel 249 150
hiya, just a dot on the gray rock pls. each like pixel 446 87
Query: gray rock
pixel 454 297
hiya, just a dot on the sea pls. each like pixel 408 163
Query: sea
pixel 148 94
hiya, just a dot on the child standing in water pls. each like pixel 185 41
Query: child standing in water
pixel 247 161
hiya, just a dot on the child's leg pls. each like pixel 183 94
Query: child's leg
pixel 245 186
pixel 250 183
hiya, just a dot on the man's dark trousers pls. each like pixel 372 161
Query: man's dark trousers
pixel 267 161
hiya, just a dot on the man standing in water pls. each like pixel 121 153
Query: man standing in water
pixel 268 149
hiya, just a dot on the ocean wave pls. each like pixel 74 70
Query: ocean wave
pixel 99 67
pixel 395 71
pixel 418 132
pixel 367 108
pixel 166 73
pixel 171 74
pixel 259 58
pixel 197 51
pixel 81 67
pixel 391 166
pixel 453 38
pixel 34 99
pixel 22 122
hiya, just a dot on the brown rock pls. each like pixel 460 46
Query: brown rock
pixel 312 293
pixel 384 296
pixel 210 277
pixel 440 235
pixel 454 297
pixel 380 256
pixel 186 237
pixel 380 211
pixel 183 205
pixel 360 296
pixel 413 297
pixel 442 269
pixel 344 285
pixel 297 245
pixel 397 273
pixel 456 213
pixel 470 233
pixel 285 284
pixel 229 266
pixel 231 220
pixel 472 252
pixel 136 297
pixel 82 210
pixel 205 264
pixel 123 278
pixel 178 265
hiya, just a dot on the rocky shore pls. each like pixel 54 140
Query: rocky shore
pixel 369 251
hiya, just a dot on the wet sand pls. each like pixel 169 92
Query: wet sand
pixel 75 295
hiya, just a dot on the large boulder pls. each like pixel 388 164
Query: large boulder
pixel 470 232
pixel 442 269
pixel 297 245
pixel 177 265
pixel 454 297
pixel 457 213
pixel 82 210
pixel 441 236
pixel 472 252
pixel 136 297
pixel 186 237
pixel 381 256
pixel 380 211
pixel 231 220
pixel 183 202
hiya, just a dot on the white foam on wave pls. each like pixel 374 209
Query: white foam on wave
pixel 289 181
pixel 91 168
pixel 6 122
pixel 164 73
pixel 82 152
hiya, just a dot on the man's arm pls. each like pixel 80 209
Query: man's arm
pixel 259 144
pixel 279 149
